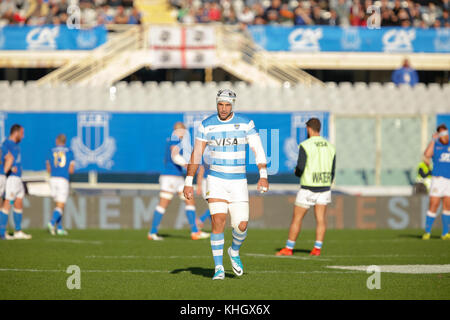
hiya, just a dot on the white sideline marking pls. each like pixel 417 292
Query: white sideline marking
pixel 76 241
pixel 285 257
pixel 407 268
pixel 169 271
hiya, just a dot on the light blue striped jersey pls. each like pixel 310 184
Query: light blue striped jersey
pixel 227 141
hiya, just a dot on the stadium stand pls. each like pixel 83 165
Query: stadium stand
pixel 342 98
pixel 423 14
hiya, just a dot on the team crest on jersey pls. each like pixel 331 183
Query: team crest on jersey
pixel 93 145
pixel 236 126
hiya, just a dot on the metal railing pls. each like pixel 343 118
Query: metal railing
pixel 129 38
pixel 233 39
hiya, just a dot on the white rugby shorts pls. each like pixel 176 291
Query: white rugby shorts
pixel 172 184
pixel 231 190
pixel 306 198
pixel 440 187
pixel 14 188
pixel 59 189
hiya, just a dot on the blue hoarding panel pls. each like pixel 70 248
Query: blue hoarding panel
pixel 136 142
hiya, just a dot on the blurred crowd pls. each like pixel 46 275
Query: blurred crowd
pixel 89 12
pixel 404 13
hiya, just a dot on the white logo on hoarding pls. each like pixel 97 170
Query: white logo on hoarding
pixel 305 39
pixel 43 38
pixel 398 40
pixel 86 39
pixel 298 134
pixel 442 41
pixel 350 39
pixel 93 145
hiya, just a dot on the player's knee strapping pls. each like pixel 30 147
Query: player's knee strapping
pixel 239 212
pixel 166 195
pixel 17 219
pixel 218 207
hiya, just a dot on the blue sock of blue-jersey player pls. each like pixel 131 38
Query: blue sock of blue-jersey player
pixel 57 214
pixel 205 216
pixel 157 217
pixel 445 222
pixel 17 219
pixel 3 223
pixel 431 216
pixel 190 214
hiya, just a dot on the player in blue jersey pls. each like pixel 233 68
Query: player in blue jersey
pixel 6 160
pixel 438 151
pixel 171 181
pixel 226 135
pixel 14 189
pixel 60 164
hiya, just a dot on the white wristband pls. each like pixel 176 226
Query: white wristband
pixel 263 173
pixel 188 181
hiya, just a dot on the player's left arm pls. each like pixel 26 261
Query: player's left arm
pixel 9 161
pixel 255 144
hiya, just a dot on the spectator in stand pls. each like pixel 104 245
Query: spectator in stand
pixel 301 18
pixel 121 17
pixel 317 16
pixel 272 13
pixel 231 17
pixel 114 3
pixel 445 20
pixel 355 18
pixel 334 19
pixel 135 16
pixel 246 16
pixel 286 15
pixel 343 11
pixel 201 16
pixel 405 75
pixel 214 13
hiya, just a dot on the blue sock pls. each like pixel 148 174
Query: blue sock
pixel 429 221
pixel 190 214
pixel 445 222
pixel 59 223
pixel 56 216
pixel 217 242
pixel 17 219
pixel 157 217
pixel 205 216
pixel 318 244
pixel 3 223
pixel 238 240
pixel 290 244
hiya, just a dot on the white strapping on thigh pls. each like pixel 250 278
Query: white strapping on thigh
pixel 218 207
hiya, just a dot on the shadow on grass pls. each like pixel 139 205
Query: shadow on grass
pixel 416 236
pixel 204 272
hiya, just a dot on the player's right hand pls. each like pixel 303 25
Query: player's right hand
pixel 188 192
pixel 435 135
pixel 14 169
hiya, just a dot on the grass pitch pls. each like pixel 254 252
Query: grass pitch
pixel 123 264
